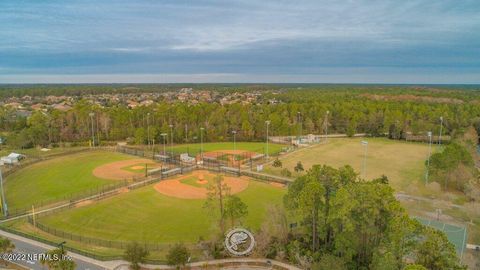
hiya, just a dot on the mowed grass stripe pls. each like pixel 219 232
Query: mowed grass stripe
pixel 259 147
pixel 57 178
pixel 146 215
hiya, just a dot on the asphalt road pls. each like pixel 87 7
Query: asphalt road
pixel 26 248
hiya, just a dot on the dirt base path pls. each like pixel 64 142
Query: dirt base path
pixel 177 189
pixel 114 170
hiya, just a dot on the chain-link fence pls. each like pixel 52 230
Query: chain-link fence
pixel 92 240
pixel 189 157
pixel 68 198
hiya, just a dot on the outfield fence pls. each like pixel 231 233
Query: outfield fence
pixel 134 152
pixel 40 205
pixel 95 241
pixel 267 177
pixel 67 247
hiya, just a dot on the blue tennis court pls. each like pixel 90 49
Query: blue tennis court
pixel 457 235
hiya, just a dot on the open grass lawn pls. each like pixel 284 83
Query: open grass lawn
pixel 259 147
pixel 402 162
pixel 145 215
pixel 57 178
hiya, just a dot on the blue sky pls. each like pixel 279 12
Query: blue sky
pixel 387 41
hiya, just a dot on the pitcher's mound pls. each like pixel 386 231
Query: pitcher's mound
pixel 175 188
pixel 202 181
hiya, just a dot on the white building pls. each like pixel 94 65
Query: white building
pixel 12 158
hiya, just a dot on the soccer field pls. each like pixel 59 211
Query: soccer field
pixel 401 162
pixel 145 215
pixel 57 178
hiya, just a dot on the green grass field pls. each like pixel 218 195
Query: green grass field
pixel 37 153
pixel 259 147
pixel 56 178
pixel 145 215
pixel 402 162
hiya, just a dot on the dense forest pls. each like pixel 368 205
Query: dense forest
pixel 377 111
pixel 347 223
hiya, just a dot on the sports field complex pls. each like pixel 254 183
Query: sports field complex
pixel 105 198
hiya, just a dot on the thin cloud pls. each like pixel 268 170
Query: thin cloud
pixel 238 37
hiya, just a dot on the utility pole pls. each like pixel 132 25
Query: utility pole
pixel 429 155
pixel 268 124
pixel 365 144
pixel 4 200
pixel 93 134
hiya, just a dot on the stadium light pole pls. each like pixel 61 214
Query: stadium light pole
pixel 234 132
pixel 268 124
pixel 171 139
pixel 299 132
pixel 441 127
pixel 93 131
pixel 365 144
pixel 164 135
pixel 186 133
pixel 326 126
pixel 429 155
pixel 201 141
pixel 4 200
pixel 148 130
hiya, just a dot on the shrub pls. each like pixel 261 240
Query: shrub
pixel 135 254
pixel 285 172
pixel 178 256
pixel 277 163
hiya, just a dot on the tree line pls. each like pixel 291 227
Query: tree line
pixel 295 112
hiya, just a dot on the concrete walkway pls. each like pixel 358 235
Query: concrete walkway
pixel 27 246
pixel 238 263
